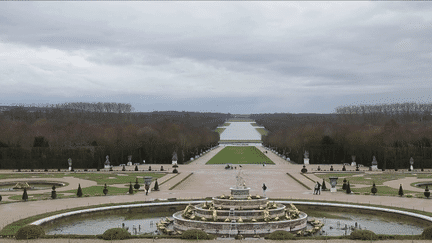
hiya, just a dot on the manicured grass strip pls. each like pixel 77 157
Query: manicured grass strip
pixel 178 183
pixel 226 124
pixel 220 130
pixel 240 141
pixel 384 191
pixel 262 131
pixel 169 179
pixel 254 124
pixel 101 177
pixel 240 120
pixel 240 155
pixel 307 177
pixel 365 179
pixel 301 183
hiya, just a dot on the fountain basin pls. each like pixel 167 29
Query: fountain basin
pixel 246 228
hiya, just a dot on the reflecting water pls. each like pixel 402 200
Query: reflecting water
pixel 89 226
pixel 332 227
pixel 337 227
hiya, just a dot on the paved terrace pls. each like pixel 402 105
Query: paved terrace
pixel 213 180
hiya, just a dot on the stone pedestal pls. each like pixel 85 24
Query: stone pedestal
pixel 240 193
pixel 353 164
pixel 374 167
pixel 411 168
pixel 333 189
pixel 107 166
pixel 70 168
pixel 306 161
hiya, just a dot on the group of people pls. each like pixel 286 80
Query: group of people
pixel 317 189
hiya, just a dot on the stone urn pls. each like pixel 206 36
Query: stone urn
pixel 333 182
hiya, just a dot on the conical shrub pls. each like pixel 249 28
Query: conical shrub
pixel 79 191
pixel 25 196
pixel 400 193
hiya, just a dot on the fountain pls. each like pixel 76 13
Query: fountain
pixel 240 213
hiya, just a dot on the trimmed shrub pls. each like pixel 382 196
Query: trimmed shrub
pixel 105 190
pixel 136 167
pixel 343 168
pixel 0 198
pixel 344 186
pixel 156 186
pixel 348 188
pixel 53 192
pixel 427 233
pixel 137 185
pixel 400 193
pixel 363 235
pixel 304 170
pixel 130 188
pixel 79 191
pixel 25 196
pixel 374 189
pixel 175 171
pixel 426 192
pixel 116 234
pixel 29 232
pixel 196 234
pixel 280 235
pixel 124 168
pixel 324 187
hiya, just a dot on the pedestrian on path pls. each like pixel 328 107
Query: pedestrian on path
pixel 264 187
pixel 319 188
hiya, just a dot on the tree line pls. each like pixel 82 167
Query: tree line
pixel 47 138
pixel 393 133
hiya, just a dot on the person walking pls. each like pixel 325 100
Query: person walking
pixel 316 189
pixel 319 188
pixel 264 187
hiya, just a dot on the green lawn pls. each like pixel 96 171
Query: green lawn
pixel 226 124
pixel 100 178
pixel 365 179
pixel 240 155
pixel 262 131
pixel 220 130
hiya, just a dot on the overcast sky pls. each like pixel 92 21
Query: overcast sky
pixel 237 57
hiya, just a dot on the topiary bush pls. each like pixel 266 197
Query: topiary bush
pixel 374 189
pixel 196 234
pixel 363 235
pixel 280 235
pixel 304 170
pixel 0 198
pixel 25 196
pixel 29 232
pixel 427 233
pixel 175 171
pixel 79 191
pixel 426 192
pixel 400 193
pixel 116 234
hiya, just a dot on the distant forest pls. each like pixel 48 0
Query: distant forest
pixel 45 137
pixel 393 133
